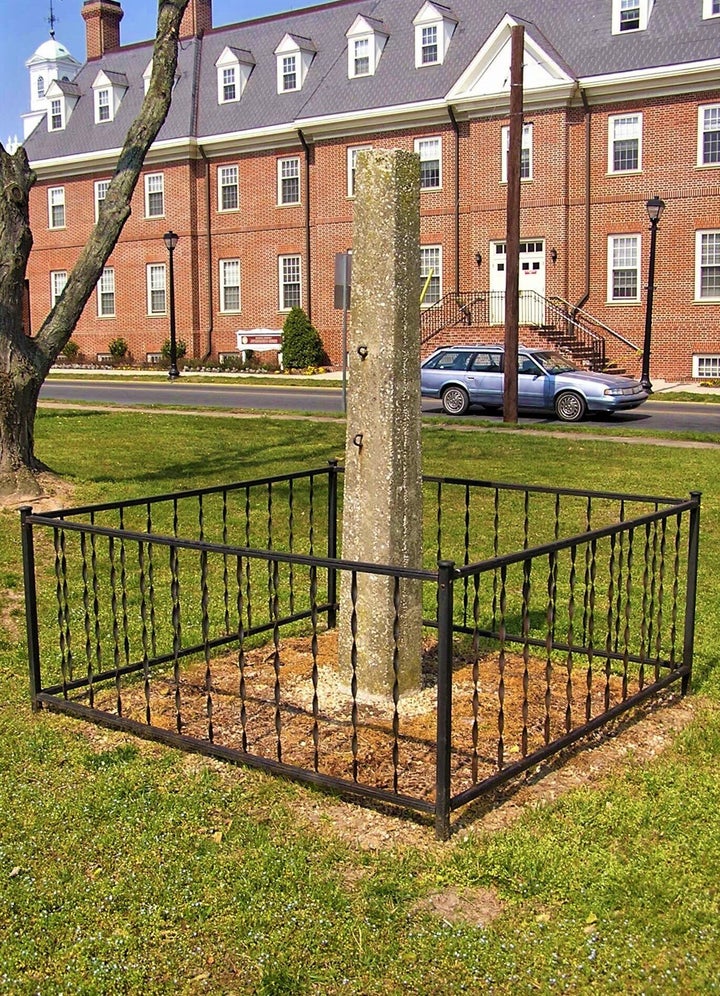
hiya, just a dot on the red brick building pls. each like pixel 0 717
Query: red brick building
pixel 254 170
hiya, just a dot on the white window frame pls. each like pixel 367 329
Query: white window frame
pixel 435 288
pixel 430 150
pixel 613 241
pixel 352 153
pixel 708 10
pixel 154 180
pixel 699 264
pixel 56 114
pixel 225 182
pixel 226 268
pixel 56 201
pixel 103 105
pixel 40 84
pixel 58 279
pixel 634 126
pixel 620 7
pixel 711 360
pixel 703 130
pixel 228 84
pixel 283 174
pixel 105 292
pixel 153 285
pixel 360 63
pixel 526 149
pixel 429 40
pixel 288 70
pixel 101 187
pixel 284 263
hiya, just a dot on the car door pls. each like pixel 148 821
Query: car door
pixel 485 378
pixel 532 383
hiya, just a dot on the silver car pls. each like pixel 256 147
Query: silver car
pixel 473 375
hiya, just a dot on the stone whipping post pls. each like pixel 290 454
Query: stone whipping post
pixel 382 509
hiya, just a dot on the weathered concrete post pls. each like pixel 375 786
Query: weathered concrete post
pixel 382 515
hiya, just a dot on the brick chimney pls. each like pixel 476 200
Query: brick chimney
pixel 197 19
pixel 102 26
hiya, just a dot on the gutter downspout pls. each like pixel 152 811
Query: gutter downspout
pixel 588 122
pixel 208 236
pixel 308 284
pixel 456 129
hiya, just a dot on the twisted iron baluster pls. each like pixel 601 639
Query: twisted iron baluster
pixel 151 585
pixel 660 600
pixel 645 599
pixel 205 630
pixel 675 592
pixel 115 628
pixel 271 565
pixel 311 515
pixel 527 567
pixel 475 677
pixel 396 682
pixel 610 621
pixel 226 575
pixel 466 555
pixel 275 617
pixel 590 631
pixel 144 630
pixel 63 616
pixel 571 641
pixel 248 601
pixel 123 591
pixel 241 651
pixel 653 592
pixel 620 587
pixel 496 549
pixel 628 612
pixel 86 618
pixel 291 524
pixel 96 598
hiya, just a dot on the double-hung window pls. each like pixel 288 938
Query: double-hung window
pixel 526 153
pixel 707 266
pixel 228 188
pixel 361 57
pixel 106 293
pixel 229 84
pixel 429 44
pixel 288 180
pixel 352 154
pixel 156 289
pixel 624 268
pixel 431 273
pixel 58 279
pixel 56 207
pixel 289 279
pixel 625 143
pixel 101 189
pixel 155 195
pixel 709 135
pixel 102 105
pixel 229 285
pixel 56 115
pixel 430 152
pixel 289 72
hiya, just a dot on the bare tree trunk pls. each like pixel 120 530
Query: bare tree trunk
pixel 24 361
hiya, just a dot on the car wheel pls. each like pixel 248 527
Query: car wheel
pixel 569 406
pixel 455 400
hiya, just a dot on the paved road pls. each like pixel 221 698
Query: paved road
pixel 655 416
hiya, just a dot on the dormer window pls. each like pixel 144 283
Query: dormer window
pixel 102 105
pixel 56 115
pixel 630 15
pixel 434 27
pixel 109 90
pixel 233 71
pixel 366 41
pixel 294 55
pixel 711 8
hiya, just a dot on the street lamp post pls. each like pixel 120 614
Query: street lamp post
pixel 171 240
pixel 655 208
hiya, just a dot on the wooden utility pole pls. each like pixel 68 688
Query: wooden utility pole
pixel 512 244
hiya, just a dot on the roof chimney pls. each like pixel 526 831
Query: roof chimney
pixel 102 26
pixel 197 19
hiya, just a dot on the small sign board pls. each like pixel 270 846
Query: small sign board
pixel 261 340
pixel 343 280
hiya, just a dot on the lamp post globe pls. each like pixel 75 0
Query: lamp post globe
pixel 654 207
pixel 171 240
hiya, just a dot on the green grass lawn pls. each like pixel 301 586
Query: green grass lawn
pixel 127 867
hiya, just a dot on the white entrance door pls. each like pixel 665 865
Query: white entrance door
pixel 531 282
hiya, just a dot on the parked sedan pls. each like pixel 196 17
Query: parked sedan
pixel 473 375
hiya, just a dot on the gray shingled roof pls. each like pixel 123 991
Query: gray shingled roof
pixel 576 32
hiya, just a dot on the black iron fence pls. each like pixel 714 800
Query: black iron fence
pixel 208 619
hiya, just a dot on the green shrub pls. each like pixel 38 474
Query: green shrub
pixel 118 349
pixel 180 349
pixel 237 362
pixel 302 346
pixel 71 350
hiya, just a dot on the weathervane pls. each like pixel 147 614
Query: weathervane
pixel 52 20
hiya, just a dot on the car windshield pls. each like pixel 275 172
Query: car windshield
pixel 553 363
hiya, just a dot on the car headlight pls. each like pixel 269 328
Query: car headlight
pixel 618 392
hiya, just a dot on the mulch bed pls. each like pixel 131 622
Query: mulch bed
pixel 276 717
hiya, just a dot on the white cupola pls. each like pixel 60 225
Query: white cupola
pixel 51 61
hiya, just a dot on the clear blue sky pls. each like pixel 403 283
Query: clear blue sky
pixel 24 26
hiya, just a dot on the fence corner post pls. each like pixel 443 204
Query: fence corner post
pixel 445 580
pixel 31 614
pixel 332 538
pixel 691 594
